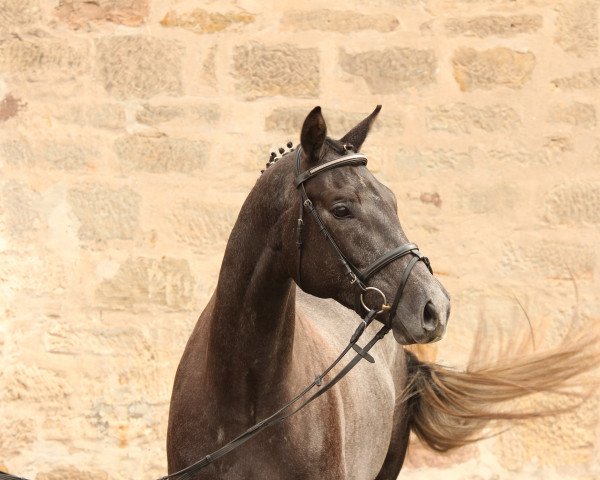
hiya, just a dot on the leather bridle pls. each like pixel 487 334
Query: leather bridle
pixel 358 277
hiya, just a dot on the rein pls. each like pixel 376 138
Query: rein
pixel 282 414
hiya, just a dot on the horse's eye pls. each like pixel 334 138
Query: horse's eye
pixel 340 211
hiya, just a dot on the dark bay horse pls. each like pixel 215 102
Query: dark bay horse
pixel 260 339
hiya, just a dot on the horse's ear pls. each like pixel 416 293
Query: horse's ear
pixel 313 134
pixel 357 135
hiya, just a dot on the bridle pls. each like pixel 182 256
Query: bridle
pixel 358 278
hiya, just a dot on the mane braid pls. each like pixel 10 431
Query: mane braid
pixel 335 145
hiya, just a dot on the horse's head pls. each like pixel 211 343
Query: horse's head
pixel 348 230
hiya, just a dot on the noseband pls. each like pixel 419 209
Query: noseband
pixel 358 278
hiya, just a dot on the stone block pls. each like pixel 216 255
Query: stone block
pixel 156 114
pixel 105 213
pixel 338 21
pixel 521 156
pixel 203 224
pixel 573 203
pixel 79 13
pixel 43 59
pixel 541 257
pixel 102 115
pixel 72 473
pixel 106 341
pixel 162 154
pixel 15 153
pixel 281 69
pixel 19 210
pixel 579 80
pixel 202 21
pixel 142 283
pixel 391 70
pixel 67 156
pixel 18 14
pixel 22 435
pixel 57 154
pixel 32 277
pixel 577 114
pixel 139 67
pixel 289 120
pixel 32 385
pixel 577 27
pixel 463 118
pixel 494 25
pixel 496 67
pixel 150 383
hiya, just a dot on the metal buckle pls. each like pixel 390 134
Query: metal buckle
pixel 384 305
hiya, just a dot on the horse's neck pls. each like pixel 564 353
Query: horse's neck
pixel 252 322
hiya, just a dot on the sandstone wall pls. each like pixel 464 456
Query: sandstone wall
pixel 132 130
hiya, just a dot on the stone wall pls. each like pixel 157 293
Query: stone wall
pixel 132 130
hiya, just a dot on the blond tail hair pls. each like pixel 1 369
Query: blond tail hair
pixel 450 408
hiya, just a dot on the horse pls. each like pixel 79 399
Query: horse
pixel 290 285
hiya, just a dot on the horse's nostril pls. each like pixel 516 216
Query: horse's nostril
pixel 431 318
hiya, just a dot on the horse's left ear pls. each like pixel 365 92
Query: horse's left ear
pixel 357 135
pixel 313 134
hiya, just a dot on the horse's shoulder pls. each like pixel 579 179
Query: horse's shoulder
pixel 326 322
pixel 325 315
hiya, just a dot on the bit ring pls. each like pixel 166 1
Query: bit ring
pixel 384 305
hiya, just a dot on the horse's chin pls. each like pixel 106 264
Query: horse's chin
pixel 404 335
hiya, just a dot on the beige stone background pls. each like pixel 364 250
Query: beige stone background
pixel 132 130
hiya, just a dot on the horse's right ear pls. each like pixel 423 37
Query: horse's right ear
pixel 313 134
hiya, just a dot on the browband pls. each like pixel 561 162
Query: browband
pixel 352 159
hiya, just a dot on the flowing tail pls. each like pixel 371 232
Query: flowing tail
pixel 450 408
